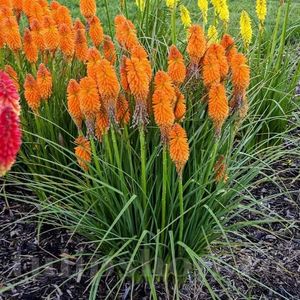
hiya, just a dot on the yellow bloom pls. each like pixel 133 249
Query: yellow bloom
pixel 246 29
pixel 171 3
pixel 140 4
pixel 221 9
pixel 261 10
pixel 212 34
pixel 203 6
pixel 185 16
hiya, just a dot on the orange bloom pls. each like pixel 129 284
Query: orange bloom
pixel 29 47
pixel 62 16
pixel 163 101
pixel 54 5
pixel 240 72
pixel 94 57
pixel 229 46
pixel 81 46
pixel 44 82
pixel 13 75
pixel 108 85
pixel 179 147
pixel 74 103
pixel 37 35
pixel 220 169
pixel 17 6
pixel 66 40
pixel 78 25
pixel 2 40
pixel 215 66
pixel 31 93
pixel 140 53
pixel 102 124
pixel 11 33
pixel 196 44
pixel 89 101
pixel 7 3
pixel 36 12
pixel 50 33
pixel 180 106
pixel 122 110
pixel 125 32
pixel 83 152
pixel 27 6
pixel 96 31
pixel 176 66
pixel 88 8
pixel 218 109
pixel 109 50
pixel 123 75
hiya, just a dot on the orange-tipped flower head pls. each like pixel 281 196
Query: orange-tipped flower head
pixel 125 32
pixel 96 31
pixel 44 82
pixel 83 152
pixel 81 46
pixel 179 147
pixel 62 16
pixel 108 86
pixel 109 50
pixel 51 34
pixel 196 44
pixel 229 45
pixel 94 57
pixel 176 66
pixel 66 40
pixel 123 75
pixel 29 47
pixel 11 33
pixel 89 101
pixel 218 109
pixel 102 124
pixel 31 93
pixel 13 75
pixel 37 34
pixel 180 106
pixel 122 110
pixel 88 8
pixel 240 72
pixel 74 103
pixel 78 25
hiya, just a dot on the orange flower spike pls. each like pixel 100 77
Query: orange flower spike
pixel 102 124
pixel 163 101
pixel 94 57
pixel 78 25
pixel 13 75
pixel 240 72
pixel 211 67
pixel 50 33
pixel 36 12
pixel 179 147
pixel 229 46
pixel 44 82
pixel 109 50
pixel 180 106
pixel 222 59
pixel 83 152
pixel 122 110
pixel 89 102
pixel 126 33
pixel 7 3
pixel 88 8
pixel 196 44
pixel 176 66
pixel 37 35
pixel 220 169
pixel 96 31
pixel 31 93
pixel 74 103
pixel 108 85
pixel 81 46
pixel 123 75
pixel 140 53
pixel 17 6
pixel 66 40
pixel 12 35
pixel 63 16
pixel 218 109
pixel 29 47
pixel 54 5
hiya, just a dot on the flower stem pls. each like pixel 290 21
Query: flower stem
pixel 164 191
pixel 181 221
pixel 108 18
pixel 173 24
pixel 143 167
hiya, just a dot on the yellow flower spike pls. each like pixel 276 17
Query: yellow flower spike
pixel 212 34
pixel 171 3
pixel 261 10
pixel 245 28
pixel 140 4
pixel 185 16
pixel 221 9
pixel 203 6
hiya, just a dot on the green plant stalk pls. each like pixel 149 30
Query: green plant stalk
pixel 212 159
pixel 173 24
pixel 181 221
pixel 117 154
pixel 108 148
pixel 272 49
pixel 143 166
pixel 108 18
pixel 164 191
pixel 94 152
